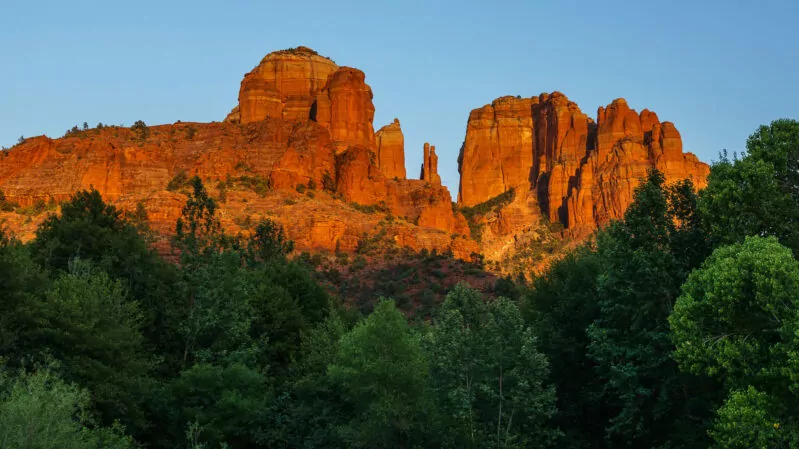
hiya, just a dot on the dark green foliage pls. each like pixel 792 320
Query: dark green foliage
pixel 229 404
pixel 95 232
pixel 198 229
pixel 140 130
pixel 258 184
pixel 95 332
pixel 328 183
pixel 560 305
pixel 490 205
pixel 178 181
pixel 268 242
pixel 22 283
pixel 643 267
pixel 370 208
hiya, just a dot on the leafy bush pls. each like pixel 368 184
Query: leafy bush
pixel 5 205
pixel 180 180
pixel 328 183
pixel 140 129
pixel 491 205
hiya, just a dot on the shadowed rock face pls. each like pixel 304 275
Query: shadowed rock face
pixel 574 171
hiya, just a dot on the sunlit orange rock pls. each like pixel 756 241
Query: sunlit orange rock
pixel 345 107
pixel 575 171
pixel 390 145
pixel 284 85
pixel 301 121
pixel 430 165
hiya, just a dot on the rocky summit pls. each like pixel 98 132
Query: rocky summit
pixel 300 148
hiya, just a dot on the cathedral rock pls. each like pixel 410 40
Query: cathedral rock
pixel 299 148
pixel 564 166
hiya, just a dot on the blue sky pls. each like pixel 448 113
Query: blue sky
pixel 717 69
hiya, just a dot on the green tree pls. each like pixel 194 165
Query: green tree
pixel 643 268
pixel 488 378
pixel 96 232
pixel 746 421
pixel 198 229
pixel 560 306
pixel 22 283
pixel 267 242
pixel 737 315
pixel 94 331
pixel 141 130
pixel 736 320
pixel 229 403
pixel 311 410
pixel 40 411
pixel 759 193
pixel 219 315
pixel 382 372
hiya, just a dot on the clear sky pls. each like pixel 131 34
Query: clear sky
pixel 717 69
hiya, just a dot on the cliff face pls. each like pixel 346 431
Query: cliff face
pixel 564 166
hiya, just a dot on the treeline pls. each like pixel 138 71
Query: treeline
pixel 676 327
pixel 105 344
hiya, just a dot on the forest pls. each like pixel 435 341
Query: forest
pixel 675 327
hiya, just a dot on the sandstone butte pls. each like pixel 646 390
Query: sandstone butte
pixel 301 120
pixel 563 166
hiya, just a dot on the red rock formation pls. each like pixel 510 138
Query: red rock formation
pixel 129 171
pixel 628 146
pixel 497 154
pixel 357 177
pixel 284 85
pixel 345 107
pixel 391 150
pixel 301 120
pixel 583 174
pixel 430 165
pixel 517 143
pixel 359 180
